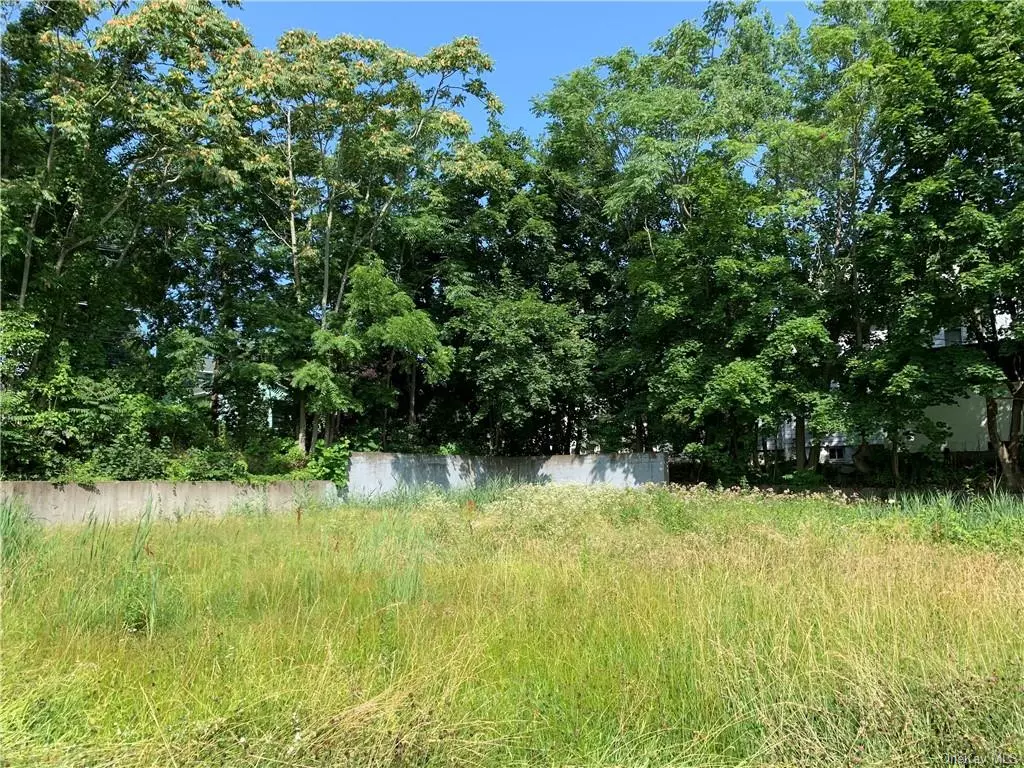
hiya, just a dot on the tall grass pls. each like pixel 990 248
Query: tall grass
pixel 994 521
pixel 18 531
pixel 525 626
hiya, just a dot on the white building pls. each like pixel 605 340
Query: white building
pixel 966 420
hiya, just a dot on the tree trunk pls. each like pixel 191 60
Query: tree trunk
pixel 801 442
pixel 1008 453
pixel 324 306
pixel 27 266
pixel 292 207
pixel 412 396
pixel 855 274
pixel 31 233
pixel 858 457
pixel 1013 448
pixel 316 432
pixel 895 462
pixel 302 423
pixel 214 399
pixel 815 455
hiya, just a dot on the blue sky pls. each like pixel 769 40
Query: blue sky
pixel 531 42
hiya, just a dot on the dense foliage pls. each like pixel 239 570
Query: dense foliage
pixel 220 261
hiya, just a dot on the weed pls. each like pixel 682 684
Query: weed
pixel 526 626
pixel 19 532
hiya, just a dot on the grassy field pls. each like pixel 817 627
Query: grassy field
pixel 524 626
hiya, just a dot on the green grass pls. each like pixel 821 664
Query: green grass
pixel 521 626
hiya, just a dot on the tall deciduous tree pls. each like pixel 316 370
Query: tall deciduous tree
pixel 949 236
pixel 349 135
pixel 212 251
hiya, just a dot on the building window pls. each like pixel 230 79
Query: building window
pixel 836 452
pixel 954 337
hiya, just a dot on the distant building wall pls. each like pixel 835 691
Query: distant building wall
pixel 376 473
pixel 966 419
pixel 126 500
pixel 968 423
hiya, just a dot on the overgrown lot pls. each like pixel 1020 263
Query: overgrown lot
pixel 522 626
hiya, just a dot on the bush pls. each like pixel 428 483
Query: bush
pixel 207 464
pixel 716 466
pixel 128 457
pixel 330 462
pixel 274 456
pixel 804 480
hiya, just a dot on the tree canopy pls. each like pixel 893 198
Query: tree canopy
pixel 221 261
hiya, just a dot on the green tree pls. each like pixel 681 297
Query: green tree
pixel 947 248
pixel 668 144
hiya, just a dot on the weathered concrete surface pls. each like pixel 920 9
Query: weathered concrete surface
pixel 371 474
pixel 126 500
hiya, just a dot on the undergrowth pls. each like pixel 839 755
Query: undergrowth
pixel 521 626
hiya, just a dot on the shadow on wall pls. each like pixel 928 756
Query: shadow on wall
pixel 417 471
pixel 409 471
pixel 382 473
pixel 609 468
pixel 498 469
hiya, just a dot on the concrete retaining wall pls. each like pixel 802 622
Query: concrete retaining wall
pixel 118 501
pixel 370 474
pixel 376 473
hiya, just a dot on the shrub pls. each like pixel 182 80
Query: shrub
pixel 803 480
pixel 330 462
pixel 715 464
pixel 128 457
pixel 207 464
pixel 274 456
